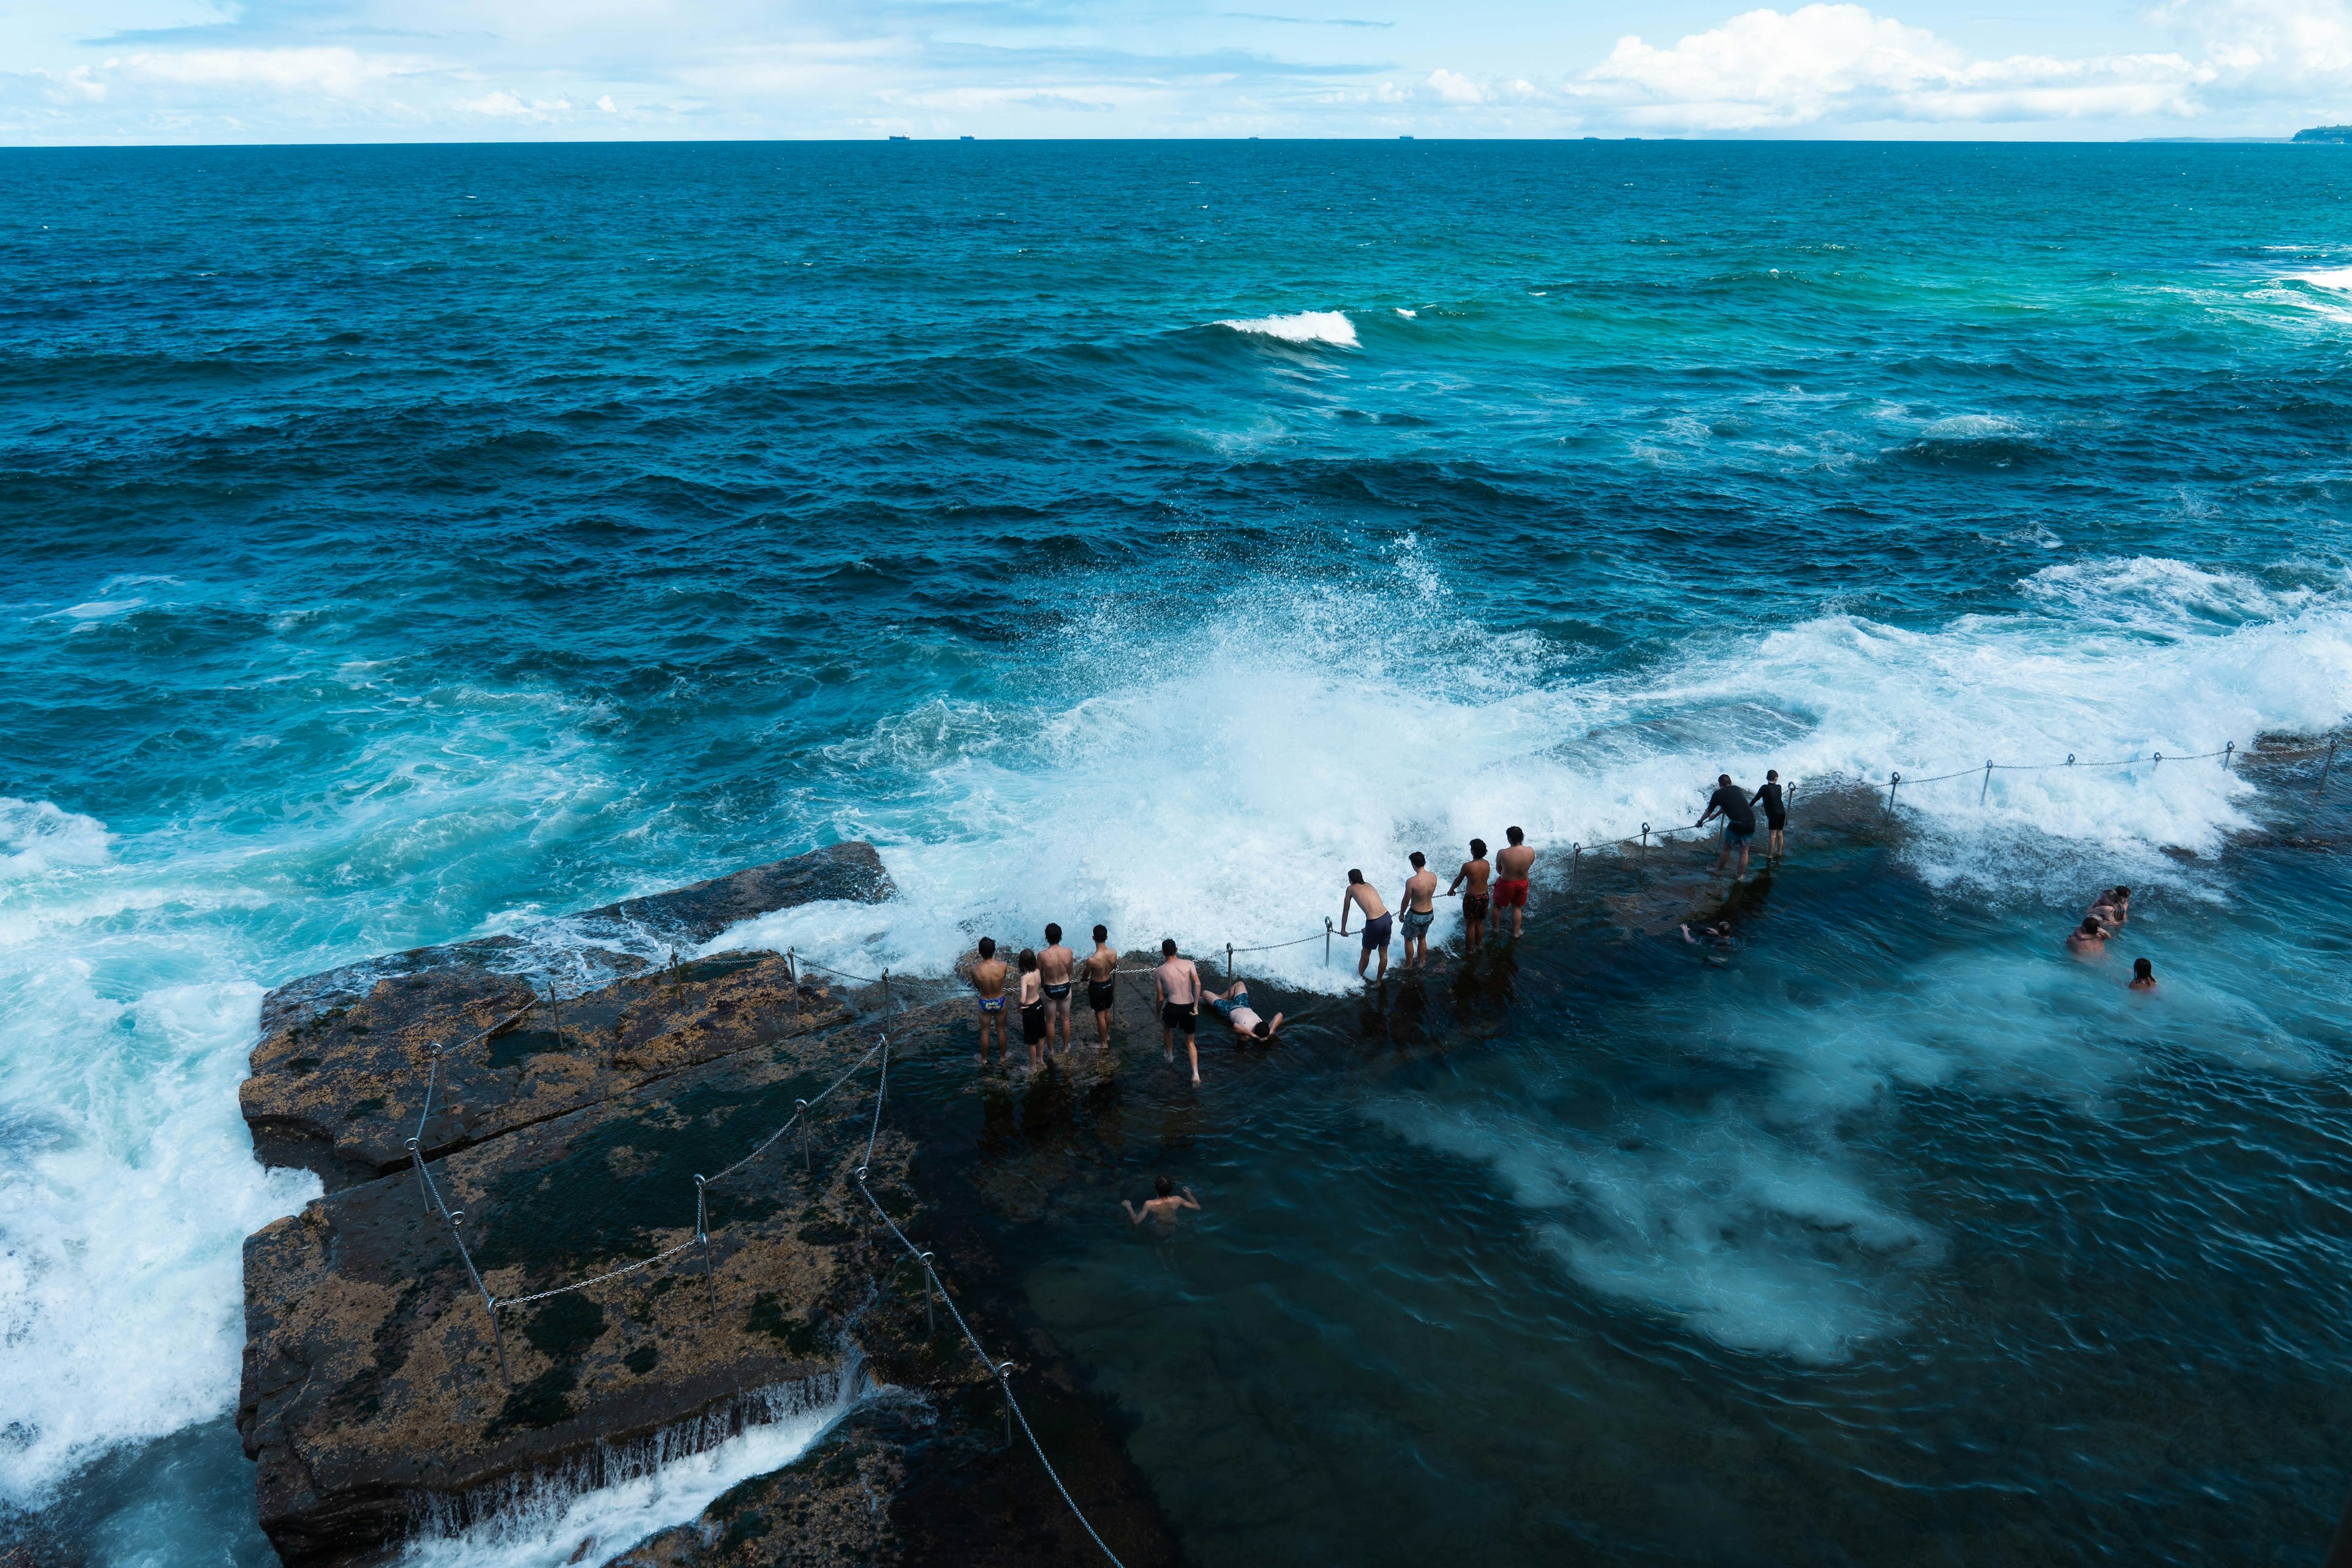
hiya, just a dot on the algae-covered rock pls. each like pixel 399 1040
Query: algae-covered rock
pixel 340 1075
pixel 372 1384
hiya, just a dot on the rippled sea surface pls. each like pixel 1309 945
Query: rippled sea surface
pixel 403 544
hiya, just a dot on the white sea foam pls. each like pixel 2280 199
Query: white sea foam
pixel 1314 727
pixel 2335 277
pixel 1331 327
pixel 557 1521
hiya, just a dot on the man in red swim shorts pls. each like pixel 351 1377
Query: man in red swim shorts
pixel 1511 867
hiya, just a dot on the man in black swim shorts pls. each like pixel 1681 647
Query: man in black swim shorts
pixel 1179 1003
pixel 1102 982
pixel 1776 811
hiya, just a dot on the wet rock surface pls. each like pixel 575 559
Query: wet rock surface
pixel 380 1392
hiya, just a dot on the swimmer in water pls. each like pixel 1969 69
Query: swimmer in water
pixel 1360 895
pixel 1511 869
pixel 2143 975
pixel 988 979
pixel 1164 1207
pixel 1419 890
pixel 1055 967
pixel 2088 940
pixel 2112 908
pixel 1474 870
pixel 1102 982
pixel 1233 1002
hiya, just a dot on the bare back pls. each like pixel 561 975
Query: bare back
pixel 1368 899
pixel 1179 983
pixel 1419 888
pixel 1476 872
pixel 1100 964
pixel 988 977
pixel 1515 861
pixel 1054 964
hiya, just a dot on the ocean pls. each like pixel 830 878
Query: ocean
pixel 407 543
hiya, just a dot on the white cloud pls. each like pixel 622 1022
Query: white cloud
pixel 1765 69
pixel 507 106
pixel 1451 88
pixel 605 103
pixel 337 72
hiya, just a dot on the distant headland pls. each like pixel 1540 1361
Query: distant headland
pixel 2338 135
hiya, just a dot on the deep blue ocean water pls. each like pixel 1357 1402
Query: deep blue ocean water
pixel 406 543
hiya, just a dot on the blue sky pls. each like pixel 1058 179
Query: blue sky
pixel 82 71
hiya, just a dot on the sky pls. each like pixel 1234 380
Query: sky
pixel 210 71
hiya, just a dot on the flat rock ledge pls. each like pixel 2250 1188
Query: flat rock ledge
pixel 377 1391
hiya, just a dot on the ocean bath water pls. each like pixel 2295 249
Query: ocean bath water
pixel 411 544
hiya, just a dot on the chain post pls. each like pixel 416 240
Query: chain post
pixel 1891 783
pixel 1987 784
pixel 500 1341
pixel 930 1313
pixel 1004 1381
pixel 1229 963
pixel 1575 861
pixel 2326 768
pixel 2229 754
pixel 1326 941
pixel 885 993
pixel 2157 763
pixel 702 1234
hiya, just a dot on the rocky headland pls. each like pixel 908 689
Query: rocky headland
pixel 566 1128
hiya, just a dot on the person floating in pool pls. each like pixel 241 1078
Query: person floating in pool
pixel 988 979
pixel 1511 869
pixel 1377 923
pixel 1233 1002
pixel 1164 1207
pixel 2088 940
pixel 2143 975
pixel 1731 802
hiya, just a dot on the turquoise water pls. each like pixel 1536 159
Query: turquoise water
pixel 407 543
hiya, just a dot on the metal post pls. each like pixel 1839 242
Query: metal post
pixel 1987 784
pixel 2229 753
pixel 1326 941
pixel 1575 861
pixel 930 1313
pixel 1229 963
pixel 2329 767
pixel 1890 790
pixel 1645 843
pixel 800 1112
pixel 702 1234
pixel 885 993
pixel 416 1158
pixel 793 972
pixel 498 1340
pixel 1005 1380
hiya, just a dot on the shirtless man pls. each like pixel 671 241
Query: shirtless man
pixel 1511 867
pixel 2143 975
pixel 1055 967
pixel 1233 1002
pixel 2112 908
pixel 1360 895
pixel 1419 890
pixel 1163 1208
pixel 1474 902
pixel 2088 940
pixel 1102 982
pixel 988 979
pixel 1179 1003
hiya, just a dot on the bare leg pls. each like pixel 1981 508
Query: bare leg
pixel 1192 1054
pixel 1384 961
pixel 1518 920
pixel 1362 959
pixel 1102 1027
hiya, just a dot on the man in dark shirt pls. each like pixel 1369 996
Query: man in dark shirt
pixel 1776 811
pixel 1738 821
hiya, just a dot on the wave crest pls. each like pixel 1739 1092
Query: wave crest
pixel 1331 327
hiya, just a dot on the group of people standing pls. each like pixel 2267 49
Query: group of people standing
pixel 1046 978
pixel 1485 888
